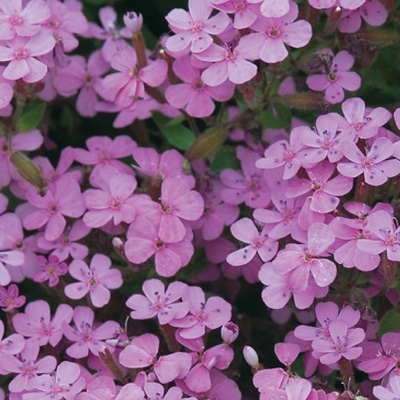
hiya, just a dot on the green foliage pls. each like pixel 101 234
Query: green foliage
pixel 390 322
pixel 174 131
pixel 225 158
pixel 32 115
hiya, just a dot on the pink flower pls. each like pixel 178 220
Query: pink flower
pixel 212 314
pixel 144 241
pixel 95 280
pixel 53 207
pixel 85 78
pixel 229 63
pixel 11 344
pixel 21 53
pixel 159 302
pixel 392 389
pixel 64 21
pixel 51 269
pixel 66 383
pixel 193 94
pixel 324 191
pixel 27 367
pixel 35 323
pixel 275 8
pixel 113 201
pixel 18 21
pixel 9 299
pixel 193 28
pixel 336 78
pixel 375 164
pixel 86 335
pixel 258 243
pixel 141 352
pixel 279 32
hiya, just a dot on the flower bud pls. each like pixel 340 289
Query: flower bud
pixel 207 144
pixel 229 332
pixel 303 101
pixel 29 171
pixel 133 21
pixel 251 357
pixel 118 245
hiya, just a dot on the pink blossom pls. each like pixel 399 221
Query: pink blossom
pixel 21 53
pixel 130 391
pixel 64 22
pixel 391 391
pixel 65 201
pixel 16 20
pixel 140 352
pixel 9 345
pixel 193 94
pixel 248 185
pixel 27 367
pixel 86 335
pixel 96 280
pixel 10 299
pixel 275 8
pixel 212 314
pixel 229 63
pixel 85 78
pixel 67 244
pixel 193 28
pixel 144 241
pixel 113 201
pixel 324 190
pixel 279 32
pixel 66 383
pixel 51 269
pixel 258 243
pixel 35 323
pixel 159 302
pixel 375 164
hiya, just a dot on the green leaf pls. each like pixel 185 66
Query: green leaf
pixel 278 120
pixel 31 116
pixel 225 158
pixel 174 131
pixel 96 2
pixel 390 322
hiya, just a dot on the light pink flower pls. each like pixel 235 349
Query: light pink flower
pixel 21 53
pixel 193 28
pixel 95 280
pixel 392 389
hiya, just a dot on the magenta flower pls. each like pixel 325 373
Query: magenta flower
pixel 342 342
pixel 27 366
pixel 229 63
pixel 211 314
pixel 53 207
pixel 64 21
pixel 279 32
pixel 67 244
pixel 375 164
pixel 85 78
pixel 193 94
pixel 258 243
pixel 21 53
pixel 159 302
pixel 306 259
pixel 35 323
pixel 86 335
pixel 248 185
pixel 336 78
pixel 51 269
pixel 144 241
pixel 324 191
pixel 193 28
pixel 66 383
pixel 113 201
pixel 10 299
pixel 16 20
pixel 95 280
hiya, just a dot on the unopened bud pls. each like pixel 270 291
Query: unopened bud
pixel 251 357
pixel 207 144
pixel 229 332
pixel 303 101
pixel 378 37
pixel 29 171
pixel 133 21
pixel 118 245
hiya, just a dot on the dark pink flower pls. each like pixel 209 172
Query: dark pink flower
pixel 10 299
pixel 51 269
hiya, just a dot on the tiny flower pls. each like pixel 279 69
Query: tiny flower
pixel 9 299
pixel 229 332
pixel 51 269
pixel 133 21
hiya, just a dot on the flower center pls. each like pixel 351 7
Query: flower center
pixel 273 32
pixel 21 53
pixel 197 27
pixel 15 20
